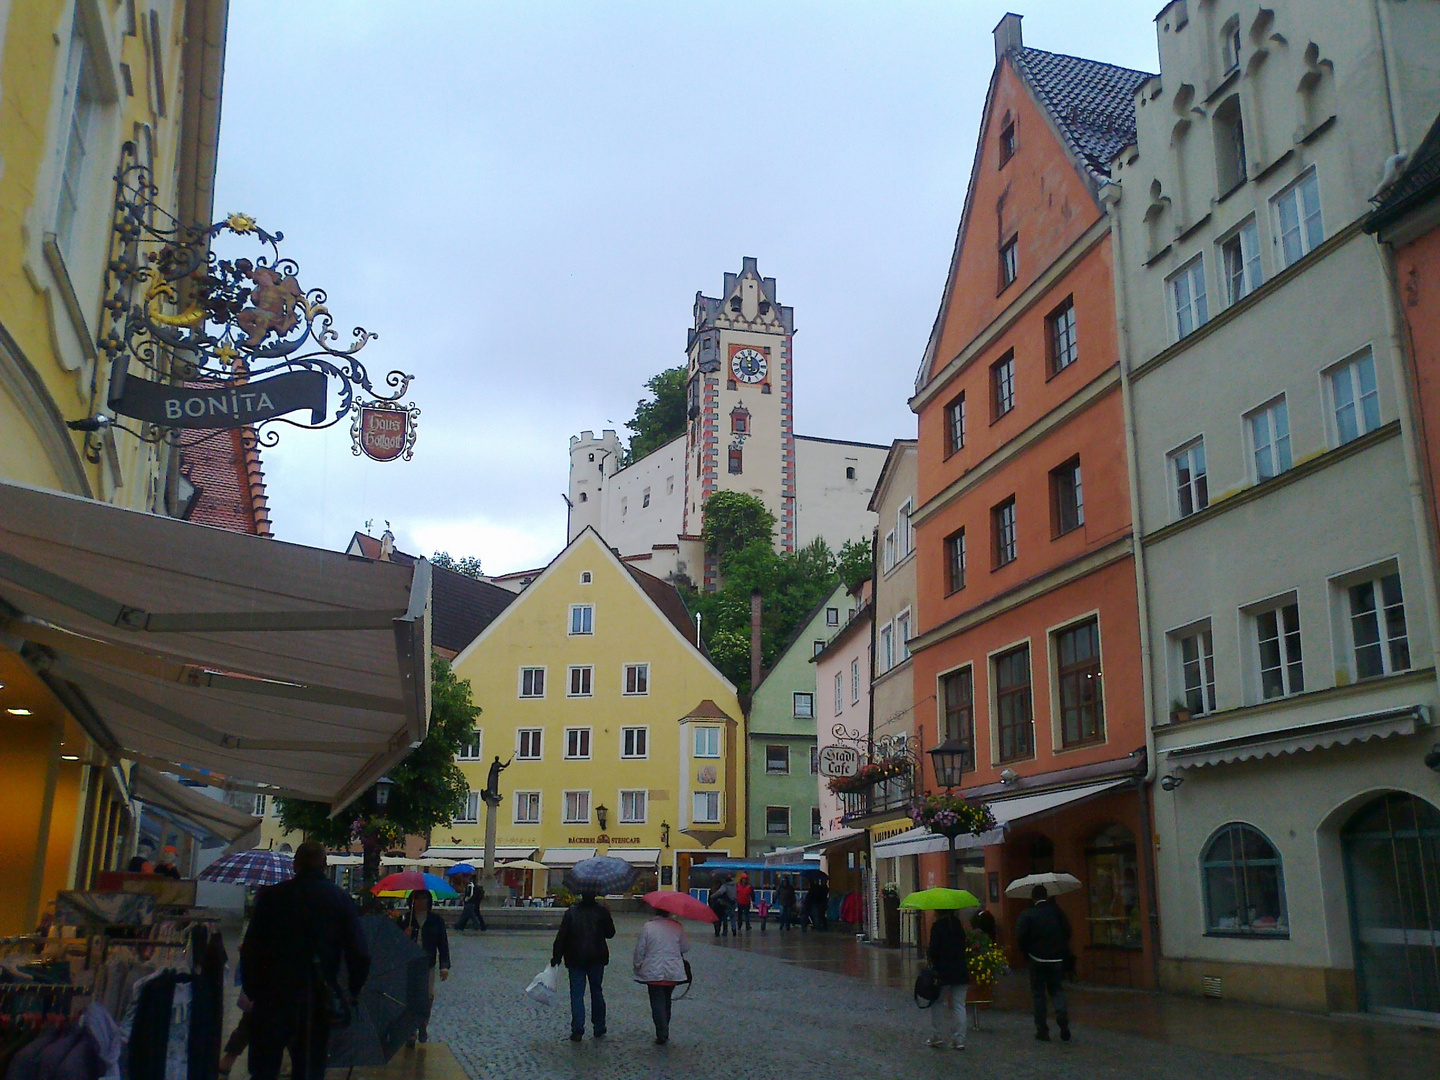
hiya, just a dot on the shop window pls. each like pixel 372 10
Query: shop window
pixel 1113 878
pixel 1042 855
pixel 1244 885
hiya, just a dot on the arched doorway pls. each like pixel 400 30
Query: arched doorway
pixel 1392 870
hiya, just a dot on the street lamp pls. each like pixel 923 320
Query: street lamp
pixel 382 792
pixel 602 812
pixel 950 759
pixel 664 834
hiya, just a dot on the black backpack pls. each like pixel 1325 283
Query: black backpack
pixel 927 987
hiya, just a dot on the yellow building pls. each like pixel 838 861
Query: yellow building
pixel 622 738
pixel 83 84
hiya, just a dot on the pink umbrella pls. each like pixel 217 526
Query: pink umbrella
pixel 681 904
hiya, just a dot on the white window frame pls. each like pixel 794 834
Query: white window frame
pixel 470 815
pixel 1199 499
pixel 1267 431
pixel 887 650
pixel 809 713
pixel 581 797
pixel 1352 367
pixel 584 740
pixel 642 680
pixel 1204 638
pixel 819 647
pixel 634 795
pixel 257 807
pixel 709 798
pixel 1246 240
pixel 839 693
pixel 710 732
pixel 855 681
pixel 777 832
pixel 586 672
pixel 538 740
pixel 904 531
pixel 888 558
pixel 635 734
pixel 520 685
pixel 586 577
pixel 1285 641
pixel 529 798
pixel 474 748
pixel 902 635
pixel 1303 192
pixel 832 616
pixel 1374 577
pixel 587 617
pixel 1194 304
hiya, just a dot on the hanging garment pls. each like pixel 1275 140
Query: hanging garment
pixel 25 1065
pixel 109 1042
pixel 175 1021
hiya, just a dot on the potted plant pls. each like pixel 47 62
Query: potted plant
pixel 950 815
pixel 1180 711
pixel 985 962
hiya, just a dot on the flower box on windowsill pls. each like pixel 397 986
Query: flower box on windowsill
pixel 877 772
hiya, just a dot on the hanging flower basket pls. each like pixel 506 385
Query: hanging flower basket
pixel 877 772
pixel 951 815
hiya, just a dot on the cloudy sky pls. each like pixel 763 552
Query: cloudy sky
pixel 522 199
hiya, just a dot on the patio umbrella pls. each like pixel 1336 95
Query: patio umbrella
pixel 940 900
pixel 601 874
pixel 392 1002
pixel 681 904
pixel 521 864
pixel 258 867
pixel 406 882
pixel 1055 885
pixel 460 868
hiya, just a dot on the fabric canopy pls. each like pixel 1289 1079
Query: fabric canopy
pixel 475 855
pixel 566 856
pixel 757 865
pixel 1305 737
pixel 227 658
pixel 645 856
pixel 155 789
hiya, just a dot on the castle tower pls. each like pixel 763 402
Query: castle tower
pixel 740 405
pixel 592 461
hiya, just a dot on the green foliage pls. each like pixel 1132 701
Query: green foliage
pixel 469 565
pixel 429 787
pixel 735 520
pixel 856 563
pixel 659 418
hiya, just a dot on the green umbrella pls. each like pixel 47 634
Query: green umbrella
pixel 939 900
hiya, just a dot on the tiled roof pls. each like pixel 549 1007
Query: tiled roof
pixel 1419 181
pixel 1093 103
pixel 667 598
pixel 229 482
pixel 461 607
pixel 707 710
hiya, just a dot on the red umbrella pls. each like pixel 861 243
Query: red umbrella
pixel 682 904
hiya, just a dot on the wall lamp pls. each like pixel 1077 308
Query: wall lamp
pixel 664 834
pixel 602 814
pixel 1171 782
pixel 1432 759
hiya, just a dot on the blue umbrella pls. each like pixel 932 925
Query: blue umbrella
pixel 601 874
pixel 460 868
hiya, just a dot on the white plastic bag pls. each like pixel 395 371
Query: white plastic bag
pixel 543 987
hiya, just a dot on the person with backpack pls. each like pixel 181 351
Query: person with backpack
pixel 1043 934
pixel 722 899
pixel 423 925
pixel 581 945
pixel 946 953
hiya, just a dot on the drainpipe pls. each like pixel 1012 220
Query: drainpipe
pixel 756 611
pixel 1110 195
pixel 1392 92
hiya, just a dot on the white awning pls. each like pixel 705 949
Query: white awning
pixel 566 856
pixel 1306 737
pixel 226 658
pixel 1007 812
pixel 344 860
pixel 213 816
pixel 476 855
pixel 648 857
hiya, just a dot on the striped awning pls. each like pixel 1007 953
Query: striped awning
pixel 1296 740
pixel 566 856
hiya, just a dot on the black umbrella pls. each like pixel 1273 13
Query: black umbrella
pixel 392 1003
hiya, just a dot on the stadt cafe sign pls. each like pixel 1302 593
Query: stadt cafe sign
pixel 196 341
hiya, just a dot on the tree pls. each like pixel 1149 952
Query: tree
pixel 857 562
pixel 428 787
pixel 661 418
pixel 734 520
pixel 469 565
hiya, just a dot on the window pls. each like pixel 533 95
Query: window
pixel 804 705
pixel 737 461
pixel 740 422
pixel 1012 704
pixel 637 679
pixel 839 693
pixel 1187 469
pixel 888 558
pixel 82 109
pixel 1356 397
pixel 1241 258
pixel 777 821
pixel 1002 386
pixel 527 744
pixel 1002 525
pixel 902 635
pixel 1377 627
pixel 904 531
pixel 832 616
pixel 815 822
pixel 1229 132
pixel 634 742
pixel 471 751
pixel 257 808
pixel 887 649
pixel 1067 498
pixel 527 808
pixel 1297 209
pixel 532 682
pixel 707 742
pixel 1197 671
pixel 577 743
pixel 1060 326
pixel 1082 699
pixel 585 577
pixel 958 697
pixel 849 472
pixel 1007 142
pixel 577 808
pixel 470 814
pixel 633 806
pixel 1114 895
pixel 1187 295
pixel 707 808
pixel 1230 45
pixel 955 425
pixel 1278 634
pixel 777 759
pixel 1009 262
pixel 582 618
pixel 819 647
pixel 1269 428
pixel 644 498
pixel 814 760
pixel 1244 886
pixel 580 681
pixel 955 561
pixel 855 681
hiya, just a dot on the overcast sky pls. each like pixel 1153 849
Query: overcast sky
pixel 522 199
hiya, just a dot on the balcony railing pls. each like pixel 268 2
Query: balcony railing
pixel 896 793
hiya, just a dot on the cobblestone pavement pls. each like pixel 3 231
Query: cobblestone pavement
pixel 754 1015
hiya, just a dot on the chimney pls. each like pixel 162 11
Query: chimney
pixel 756 603
pixel 1007 35
pixel 387 546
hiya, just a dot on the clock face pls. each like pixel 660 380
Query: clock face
pixel 749 365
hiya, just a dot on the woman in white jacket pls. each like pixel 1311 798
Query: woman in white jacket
pixel 660 964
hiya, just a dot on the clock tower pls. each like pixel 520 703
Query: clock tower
pixel 740 435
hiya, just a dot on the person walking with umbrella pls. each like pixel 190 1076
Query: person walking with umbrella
pixel 659 963
pixel 946 953
pixel 423 925
pixel 1044 938
pixel 581 945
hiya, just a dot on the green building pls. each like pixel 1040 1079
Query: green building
pixel 784 804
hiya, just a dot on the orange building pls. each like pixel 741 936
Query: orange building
pixel 1028 657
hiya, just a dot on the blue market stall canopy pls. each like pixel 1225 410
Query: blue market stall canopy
pixel 226 658
pixel 756 864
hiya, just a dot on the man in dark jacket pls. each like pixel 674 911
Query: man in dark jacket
pixel 1044 938
pixel 474 897
pixel 580 943
pixel 946 953
pixel 290 961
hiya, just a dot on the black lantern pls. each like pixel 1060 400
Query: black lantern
pixel 382 792
pixel 664 834
pixel 951 758
pixel 602 813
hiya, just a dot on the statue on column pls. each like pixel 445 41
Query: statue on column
pixel 491 794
